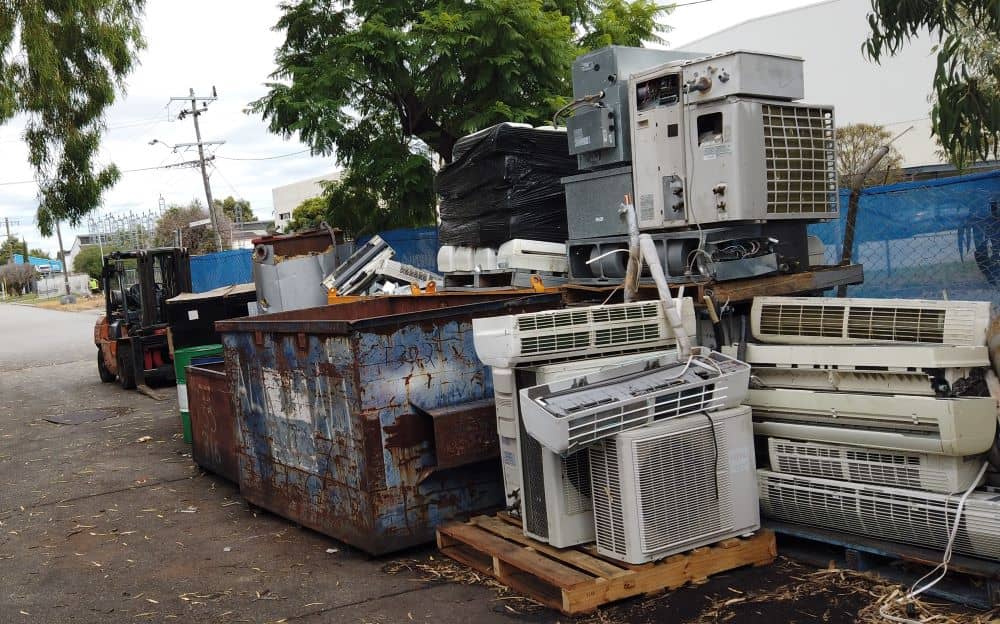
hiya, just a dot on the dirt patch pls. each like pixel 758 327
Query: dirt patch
pixel 82 303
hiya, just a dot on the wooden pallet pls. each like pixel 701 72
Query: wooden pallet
pixel 970 581
pixel 578 580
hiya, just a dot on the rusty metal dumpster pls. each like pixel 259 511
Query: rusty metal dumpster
pixel 340 414
pixel 213 423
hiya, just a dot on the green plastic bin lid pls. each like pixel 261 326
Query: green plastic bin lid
pixel 183 357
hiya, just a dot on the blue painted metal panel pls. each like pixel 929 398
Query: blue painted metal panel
pixel 416 246
pixel 327 431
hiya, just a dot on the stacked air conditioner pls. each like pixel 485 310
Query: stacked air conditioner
pixel 605 436
pixel 878 417
pixel 724 166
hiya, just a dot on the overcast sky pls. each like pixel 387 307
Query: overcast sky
pixel 229 44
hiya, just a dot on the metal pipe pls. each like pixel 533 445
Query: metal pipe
pixel 631 290
pixel 649 255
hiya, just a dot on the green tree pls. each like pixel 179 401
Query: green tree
pixel 39 253
pixel 90 261
pixel 308 215
pixel 234 209
pixel 11 245
pixel 965 115
pixel 62 64
pixel 856 144
pixel 198 240
pixel 387 86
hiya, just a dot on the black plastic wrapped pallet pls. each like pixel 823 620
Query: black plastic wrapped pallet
pixel 505 183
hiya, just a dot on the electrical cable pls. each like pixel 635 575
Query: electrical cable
pixel 943 566
pixel 266 157
pixel 586 99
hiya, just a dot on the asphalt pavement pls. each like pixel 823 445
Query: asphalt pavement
pixel 111 521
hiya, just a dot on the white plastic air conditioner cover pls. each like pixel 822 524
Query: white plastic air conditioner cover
pixel 907 516
pixel 577 332
pixel 825 320
pixel 675 486
pixel 919 471
pixel 941 426
pixel 532 255
pixel 577 412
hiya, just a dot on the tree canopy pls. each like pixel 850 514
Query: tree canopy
pixel 198 240
pixel 90 261
pixel 308 215
pixel 10 246
pixel 236 210
pixel 966 112
pixel 856 144
pixel 62 65
pixel 387 86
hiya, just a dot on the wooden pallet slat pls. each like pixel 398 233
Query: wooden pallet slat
pixel 573 580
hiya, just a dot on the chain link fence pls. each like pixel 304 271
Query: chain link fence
pixel 928 239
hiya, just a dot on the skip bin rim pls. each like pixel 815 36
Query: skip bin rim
pixel 494 301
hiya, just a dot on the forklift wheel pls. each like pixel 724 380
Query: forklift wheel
pixel 126 373
pixel 106 375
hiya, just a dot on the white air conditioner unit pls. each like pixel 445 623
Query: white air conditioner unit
pixel 674 486
pixel 574 413
pixel 959 426
pixel 824 320
pixel 361 269
pixel 532 255
pixel 504 341
pixel 408 273
pixel 918 471
pixel 552 492
pixel 907 516
pixel 895 369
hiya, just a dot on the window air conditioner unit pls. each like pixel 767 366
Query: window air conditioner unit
pixel 821 320
pixel 960 426
pixel 908 516
pixel 503 341
pixel 674 486
pixel 894 369
pixel 573 413
pixel 532 255
pixel 918 471
pixel 552 492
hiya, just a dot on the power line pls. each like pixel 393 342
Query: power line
pixel 195 112
pixel 170 166
pixel 266 157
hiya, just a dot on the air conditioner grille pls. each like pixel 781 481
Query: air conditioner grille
pixel 536 518
pixel 681 496
pixel 609 520
pixel 532 345
pixel 576 482
pixel 908 516
pixel 552 320
pixel 626 335
pixel 802 320
pixel 896 324
pixel 800 160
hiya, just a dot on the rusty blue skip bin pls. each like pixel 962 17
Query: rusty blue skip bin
pixel 339 409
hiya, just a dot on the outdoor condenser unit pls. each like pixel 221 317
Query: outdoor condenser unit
pixel 703 156
pixel 503 341
pixel 918 471
pixel 674 486
pixel 555 499
pixel 574 413
pixel 940 426
pixel 899 515
pixel 822 320
pixel 926 370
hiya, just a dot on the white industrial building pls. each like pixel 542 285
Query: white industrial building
pixel 829 37
pixel 288 197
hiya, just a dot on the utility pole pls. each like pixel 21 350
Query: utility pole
pixel 69 298
pixel 6 221
pixel 196 112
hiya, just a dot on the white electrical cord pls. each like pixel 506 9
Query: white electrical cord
pixel 648 253
pixel 943 566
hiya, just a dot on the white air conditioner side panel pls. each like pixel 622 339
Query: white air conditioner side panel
pixel 935 473
pixel 907 516
pixel 825 320
pixel 851 357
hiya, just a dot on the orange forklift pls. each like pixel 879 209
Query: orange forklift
pixel 131 337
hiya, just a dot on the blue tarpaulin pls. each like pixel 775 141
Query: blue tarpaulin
pixel 924 239
pixel 223 268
